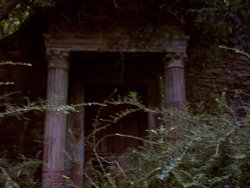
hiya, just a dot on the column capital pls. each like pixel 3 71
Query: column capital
pixel 58 58
pixel 175 60
pixel 174 94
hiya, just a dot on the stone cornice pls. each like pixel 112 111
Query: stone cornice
pixel 103 44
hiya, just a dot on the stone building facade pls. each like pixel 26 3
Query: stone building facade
pixel 82 57
pixel 89 59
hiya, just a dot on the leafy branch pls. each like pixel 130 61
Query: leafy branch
pixel 235 50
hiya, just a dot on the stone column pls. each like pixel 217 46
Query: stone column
pixel 174 88
pixel 55 121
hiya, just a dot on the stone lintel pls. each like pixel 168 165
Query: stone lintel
pixel 124 44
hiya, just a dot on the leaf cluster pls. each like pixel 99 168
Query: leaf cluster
pixel 14 13
pixel 20 173
pixel 215 20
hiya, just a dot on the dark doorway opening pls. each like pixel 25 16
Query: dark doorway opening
pixel 106 119
pixel 96 77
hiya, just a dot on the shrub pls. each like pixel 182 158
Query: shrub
pixel 20 173
pixel 186 150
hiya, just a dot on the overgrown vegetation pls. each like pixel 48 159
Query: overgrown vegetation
pixel 13 13
pixel 225 21
pixel 191 150
pixel 188 149
pixel 20 173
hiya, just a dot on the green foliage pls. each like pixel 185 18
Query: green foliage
pixel 235 50
pixel 224 20
pixel 14 21
pixel 19 14
pixel 187 150
pixel 214 20
pixel 21 173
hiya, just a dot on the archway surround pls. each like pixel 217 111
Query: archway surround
pixel 58 51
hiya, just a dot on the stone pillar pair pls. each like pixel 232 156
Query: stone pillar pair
pixel 56 121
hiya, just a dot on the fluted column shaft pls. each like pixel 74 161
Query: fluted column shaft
pixel 55 121
pixel 174 89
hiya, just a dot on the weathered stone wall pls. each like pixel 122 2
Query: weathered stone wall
pixel 20 134
pixel 210 71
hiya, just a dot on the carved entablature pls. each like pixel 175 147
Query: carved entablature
pixel 163 38
pixel 175 60
pixel 58 58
